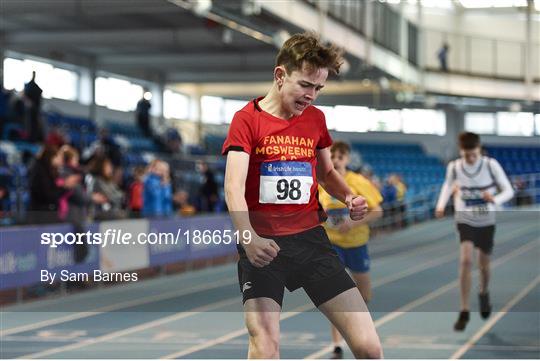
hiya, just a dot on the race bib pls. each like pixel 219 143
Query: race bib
pixel 285 182
pixel 475 202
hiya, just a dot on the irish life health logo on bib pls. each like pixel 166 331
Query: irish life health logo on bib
pixel 285 182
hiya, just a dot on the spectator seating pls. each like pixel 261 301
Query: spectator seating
pixel 136 141
pixel 418 169
pixel 516 160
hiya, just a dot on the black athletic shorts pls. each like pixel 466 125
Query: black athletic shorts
pixel 482 237
pixel 305 260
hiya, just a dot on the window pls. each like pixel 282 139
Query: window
pixel 15 74
pixel 117 94
pixel 516 124
pixel 328 115
pixel 386 121
pixel 492 3
pixel 351 118
pixel 55 82
pixel 212 110
pixel 64 84
pixel 537 124
pixel 481 123
pixel 423 121
pixel 230 107
pixel 175 105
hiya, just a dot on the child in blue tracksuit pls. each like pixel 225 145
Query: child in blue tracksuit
pixel 157 191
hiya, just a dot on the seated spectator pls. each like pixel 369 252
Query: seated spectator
pixel 208 192
pixel 45 193
pixel 104 146
pixel 389 193
pixel 522 197
pixel 55 138
pixel 401 190
pixel 157 193
pixel 181 201
pixel 173 141
pixel 102 169
pixel 78 201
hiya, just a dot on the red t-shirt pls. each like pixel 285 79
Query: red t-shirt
pixel 281 184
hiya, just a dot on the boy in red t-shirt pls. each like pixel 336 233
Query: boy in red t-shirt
pixel 278 149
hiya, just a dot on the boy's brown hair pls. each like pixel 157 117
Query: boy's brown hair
pixel 308 48
pixel 341 147
pixel 468 140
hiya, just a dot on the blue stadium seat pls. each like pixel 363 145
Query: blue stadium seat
pixel 516 160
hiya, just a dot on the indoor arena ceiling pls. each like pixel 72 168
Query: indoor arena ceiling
pixel 167 41
pixel 152 39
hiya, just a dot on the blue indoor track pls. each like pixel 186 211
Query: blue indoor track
pixel 198 314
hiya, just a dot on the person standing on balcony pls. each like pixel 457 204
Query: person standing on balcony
pixel 443 57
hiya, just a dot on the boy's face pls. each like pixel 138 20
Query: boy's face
pixel 340 159
pixel 470 155
pixel 299 89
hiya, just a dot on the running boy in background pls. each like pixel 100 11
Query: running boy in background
pixel 349 238
pixel 479 184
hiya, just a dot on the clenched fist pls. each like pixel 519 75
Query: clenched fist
pixel 357 207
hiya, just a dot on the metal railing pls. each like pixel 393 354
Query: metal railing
pixel 471 54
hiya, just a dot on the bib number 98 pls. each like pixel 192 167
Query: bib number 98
pixel 288 190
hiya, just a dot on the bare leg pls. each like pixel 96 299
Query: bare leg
pixel 465 266
pixel 262 321
pixel 363 282
pixel 349 314
pixel 483 266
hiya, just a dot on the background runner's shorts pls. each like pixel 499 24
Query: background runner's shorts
pixel 355 258
pixel 305 260
pixel 482 237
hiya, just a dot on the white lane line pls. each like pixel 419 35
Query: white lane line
pixel 448 347
pixel 493 320
pixel 119 306
pixel 430 296
pixel 229 336
pixel 130 330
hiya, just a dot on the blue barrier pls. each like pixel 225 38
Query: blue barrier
pixel 22 256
